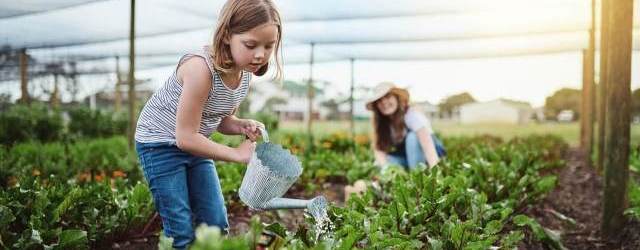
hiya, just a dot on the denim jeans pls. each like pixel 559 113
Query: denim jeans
pixel 185 189
pixel 413 152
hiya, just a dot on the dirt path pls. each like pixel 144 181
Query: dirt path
pixel 578 196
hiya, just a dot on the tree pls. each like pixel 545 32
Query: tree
pixel 243 109
pixel 5 101
pixel 451 103
pixel 332 105
pixel 563 99
pixel 270 104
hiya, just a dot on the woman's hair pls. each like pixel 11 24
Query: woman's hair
pixel 240 16
pixel 382 125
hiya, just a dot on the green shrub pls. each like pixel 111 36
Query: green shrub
pixel 26 123
pixel 268 119
pixel 85 122
pixel 102 155
pixel 634 200
pixel 67 160
pixel 35 158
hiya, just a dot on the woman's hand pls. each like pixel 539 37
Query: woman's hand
pixel 380 158
pixel 244 152
pixel 249 128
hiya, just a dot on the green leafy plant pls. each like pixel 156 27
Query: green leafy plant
pixel 34 122
pixel 60 215
pixel 88 123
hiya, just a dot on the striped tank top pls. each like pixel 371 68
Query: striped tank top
pixel 157 121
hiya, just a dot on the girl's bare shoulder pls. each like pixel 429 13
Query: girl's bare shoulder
pixel 194 69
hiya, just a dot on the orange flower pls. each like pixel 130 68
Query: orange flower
pixel 338 135
pixel 361 139
pixel 84 176
pixel 118 173
pixel 295 150
pixel 12 181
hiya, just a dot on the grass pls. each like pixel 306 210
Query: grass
pixel 568 131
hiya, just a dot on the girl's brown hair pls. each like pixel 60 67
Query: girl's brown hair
pixel 382 125
pixel 240 16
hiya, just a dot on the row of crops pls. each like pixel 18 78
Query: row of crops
pixel 474 200
pixel 89 193
pixel 83 189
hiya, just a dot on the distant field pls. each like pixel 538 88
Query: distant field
pixel 569 131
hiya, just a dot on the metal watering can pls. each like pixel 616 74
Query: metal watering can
pixel 270 173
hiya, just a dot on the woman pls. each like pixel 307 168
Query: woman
pixel 402 135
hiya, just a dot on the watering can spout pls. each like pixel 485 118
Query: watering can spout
pixel 287 203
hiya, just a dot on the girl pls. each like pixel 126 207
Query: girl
pixel 402 135
pixel 201 97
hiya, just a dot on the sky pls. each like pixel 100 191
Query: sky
pixel 530 78
pixel 450 32
pixel 526 78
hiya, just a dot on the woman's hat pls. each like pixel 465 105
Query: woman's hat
pixel 383 89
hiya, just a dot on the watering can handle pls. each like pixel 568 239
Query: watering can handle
pixel 263 132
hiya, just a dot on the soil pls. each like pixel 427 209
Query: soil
pixel 578 196
pixel 240 218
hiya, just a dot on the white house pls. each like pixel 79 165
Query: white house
pixel 108 97
pixel 297 108
pixel 500 110
pixel 294 104
pixel 262 92
pixel 430 110
pixel 359 108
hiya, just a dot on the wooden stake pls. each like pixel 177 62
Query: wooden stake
pixel 132 78
pixel 616 163
pixel 24 98
pixel 602 85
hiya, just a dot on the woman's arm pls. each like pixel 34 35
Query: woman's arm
pixel 196 82
pixel 380 157
pixel 429 149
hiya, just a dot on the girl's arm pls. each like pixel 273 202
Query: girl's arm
pixel 428 147
pixel 196 82
pixel 228 126
pixel 232 125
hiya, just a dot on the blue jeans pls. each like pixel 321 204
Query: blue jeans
pixel 185 189
pixel 414 153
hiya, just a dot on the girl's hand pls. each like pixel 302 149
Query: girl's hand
pixel 245 151
pixel 249 128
